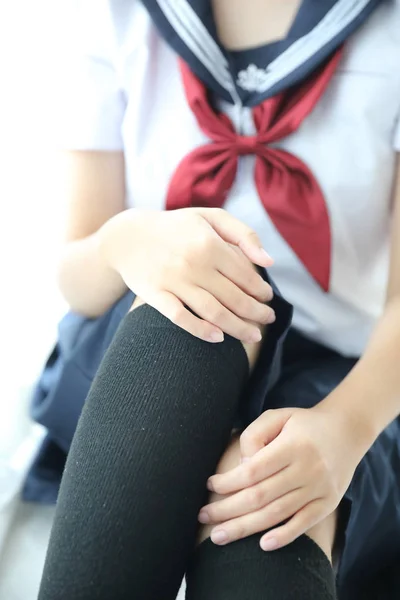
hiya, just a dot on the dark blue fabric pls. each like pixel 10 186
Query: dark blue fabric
pixel 307 68
pixel 309 15
pixel 174 41
pixel 61 392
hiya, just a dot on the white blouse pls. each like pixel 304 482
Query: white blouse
pixel 122 90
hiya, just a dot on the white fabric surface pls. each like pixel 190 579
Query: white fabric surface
pixel 22 561
pixel 24 529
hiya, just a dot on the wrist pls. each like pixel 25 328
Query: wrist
pixel 100 249
pixel 350 411
pixel 121 234
pixel 107 240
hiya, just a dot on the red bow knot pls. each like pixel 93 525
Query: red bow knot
pixel 247 144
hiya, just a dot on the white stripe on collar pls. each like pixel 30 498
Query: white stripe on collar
pixel 187 24
pixel 339 17
pixel 197 38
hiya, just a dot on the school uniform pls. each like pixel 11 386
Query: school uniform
pixel 297 139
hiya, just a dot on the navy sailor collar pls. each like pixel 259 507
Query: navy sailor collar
pixel 319 28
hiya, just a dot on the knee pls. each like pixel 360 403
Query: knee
pixel 252 350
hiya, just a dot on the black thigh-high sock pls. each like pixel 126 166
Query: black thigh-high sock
pixel 155 423
pixel 242 571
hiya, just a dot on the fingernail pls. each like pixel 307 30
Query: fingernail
pixel 265 255
pixel 254 337
pixel 216 336
pixel 219 537
pixel 203 517
pixel 210 486
pixel 269 544
pixel 270 295
pixel 272 317
pixel 244 459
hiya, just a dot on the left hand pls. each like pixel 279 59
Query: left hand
pixel 298 464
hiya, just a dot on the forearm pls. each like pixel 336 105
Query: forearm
pixel 370 394
pixel 89 285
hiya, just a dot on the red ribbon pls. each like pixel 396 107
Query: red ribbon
pixel 287 188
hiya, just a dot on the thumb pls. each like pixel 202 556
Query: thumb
pixel 235 232
pixel 263 431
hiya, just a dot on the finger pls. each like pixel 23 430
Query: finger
pixel 235 232
pixel 238 269
pixel 258 521
pixel 300 523
pixel 250 499
pixel 172 308
pixel 237 301
pixel 207 307
pixel 267 462
pixel 263 431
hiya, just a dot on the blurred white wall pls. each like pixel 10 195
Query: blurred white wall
pixel 31 211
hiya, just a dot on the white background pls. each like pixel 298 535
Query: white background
pixel 30 219
pixel 31 212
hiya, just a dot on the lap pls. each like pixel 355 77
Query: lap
pixel 307 373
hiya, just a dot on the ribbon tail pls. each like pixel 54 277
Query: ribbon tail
pixel 297 208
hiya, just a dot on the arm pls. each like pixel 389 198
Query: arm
pixel 300 462
pixel 95 192
pixel 170 259
pixel 370 394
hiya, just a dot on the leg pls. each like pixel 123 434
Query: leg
pixel 155 424
pixel 241 570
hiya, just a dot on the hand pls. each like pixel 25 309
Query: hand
pixel 194 258
pixel 297 465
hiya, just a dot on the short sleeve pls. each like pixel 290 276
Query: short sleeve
pixel 90 100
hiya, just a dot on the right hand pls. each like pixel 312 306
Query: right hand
pixel 193 258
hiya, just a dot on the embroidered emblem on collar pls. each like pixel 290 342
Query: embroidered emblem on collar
pixel 252 79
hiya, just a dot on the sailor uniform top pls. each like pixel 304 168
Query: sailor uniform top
pixel 129 88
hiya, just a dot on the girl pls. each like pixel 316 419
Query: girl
pixel 259 126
